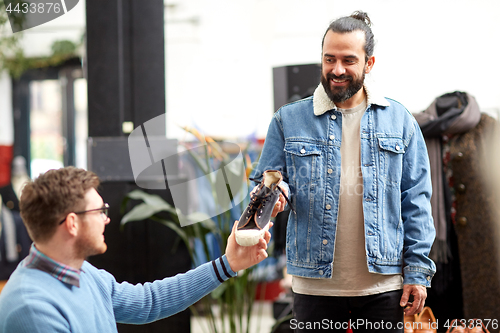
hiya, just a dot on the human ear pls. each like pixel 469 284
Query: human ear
pixel 72 224
pixel 369 64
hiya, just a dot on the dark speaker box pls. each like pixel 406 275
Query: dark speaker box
pixel 292 83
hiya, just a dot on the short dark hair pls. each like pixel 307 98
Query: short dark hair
pixel 357 21
pixel 53 195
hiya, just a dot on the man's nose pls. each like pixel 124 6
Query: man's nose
pixel 338 69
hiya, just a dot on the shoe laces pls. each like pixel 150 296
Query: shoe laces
pixel 260 193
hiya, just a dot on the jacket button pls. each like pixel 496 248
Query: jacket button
pixel 320 272
pixel 462 221
pixel 325 241
pixel 459 155
pixel 332 137
pixel 303 151
pixel 333 117
pixel 330 170
pixel 328 206
pixel 397 147
pixel 461 188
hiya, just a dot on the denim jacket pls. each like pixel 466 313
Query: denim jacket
pixel 303 142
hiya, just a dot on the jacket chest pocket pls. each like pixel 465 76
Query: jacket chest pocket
pixel 303 162
pixel 391 152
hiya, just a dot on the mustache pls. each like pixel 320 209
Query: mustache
pixel 341 77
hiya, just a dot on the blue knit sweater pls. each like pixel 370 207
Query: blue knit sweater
pixel 34 301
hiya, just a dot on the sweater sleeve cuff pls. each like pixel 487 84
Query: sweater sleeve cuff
pixel 222 269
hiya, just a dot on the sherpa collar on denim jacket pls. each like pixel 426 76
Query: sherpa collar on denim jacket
pixel 322 103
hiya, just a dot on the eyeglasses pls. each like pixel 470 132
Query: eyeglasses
pixel 103 209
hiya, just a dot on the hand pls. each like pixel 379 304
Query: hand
pixel 242 257
pixel 419 295
pixel 280 204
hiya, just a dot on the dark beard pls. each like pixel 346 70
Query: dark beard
pixel 342 94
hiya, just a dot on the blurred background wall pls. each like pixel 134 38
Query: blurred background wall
pixel 220 54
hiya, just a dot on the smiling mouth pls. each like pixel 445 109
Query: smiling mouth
pixel 339 80
pixel 336 83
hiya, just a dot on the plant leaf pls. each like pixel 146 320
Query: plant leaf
pixel 217 293
pixel 202 164
pixel 152 200
pixel 182 234
pixel 141 212
pixel 204 219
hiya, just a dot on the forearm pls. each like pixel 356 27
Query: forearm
pixel 141 304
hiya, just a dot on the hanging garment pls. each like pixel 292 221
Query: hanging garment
pixel 14 241
pixel 449 114
pixel 9 231
pixel 458 137
pixel 477 205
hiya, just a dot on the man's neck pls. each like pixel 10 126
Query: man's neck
pixel 354 101
pixel 61 254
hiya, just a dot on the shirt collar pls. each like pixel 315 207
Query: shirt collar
pixel 63 273
pixel 322 103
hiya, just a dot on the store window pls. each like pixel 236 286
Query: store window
pixel 81 122
pixel 46 135
pixel 50 117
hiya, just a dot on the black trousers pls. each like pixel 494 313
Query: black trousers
pixel 373 313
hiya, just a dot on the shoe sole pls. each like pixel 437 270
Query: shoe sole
pixel 250 237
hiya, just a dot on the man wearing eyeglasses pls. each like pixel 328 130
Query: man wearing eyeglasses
pixel 54 289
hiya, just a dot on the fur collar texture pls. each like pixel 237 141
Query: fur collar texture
pixel 322 103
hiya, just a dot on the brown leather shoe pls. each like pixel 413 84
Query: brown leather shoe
pixel 408 323
pixel 425 322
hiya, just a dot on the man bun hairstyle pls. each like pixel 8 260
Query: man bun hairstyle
pixel 53 195
pixel 356 21
pixel 362 16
